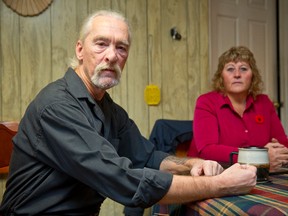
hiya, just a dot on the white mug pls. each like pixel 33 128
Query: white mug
pixel 254 156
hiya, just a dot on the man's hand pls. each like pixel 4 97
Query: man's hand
pixel 206 167
pixel 190 166
pixel 237 179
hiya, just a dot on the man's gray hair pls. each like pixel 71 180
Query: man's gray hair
pixel 86 28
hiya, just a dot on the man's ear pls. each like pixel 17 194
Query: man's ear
pixel 79 50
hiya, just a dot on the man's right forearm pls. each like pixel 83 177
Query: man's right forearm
pixel 188 189
pixel 237 179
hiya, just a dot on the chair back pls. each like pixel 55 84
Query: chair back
pixel 172 136
pixel 7 132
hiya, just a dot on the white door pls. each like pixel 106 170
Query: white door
pixel 251 23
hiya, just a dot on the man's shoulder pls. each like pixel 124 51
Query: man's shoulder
pixel 56 92
pixel 69 87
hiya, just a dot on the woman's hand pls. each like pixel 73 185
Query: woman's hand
pixel 278 155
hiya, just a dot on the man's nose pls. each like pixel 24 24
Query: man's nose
pixel 111 54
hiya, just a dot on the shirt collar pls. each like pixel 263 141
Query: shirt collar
pixel 76 86
pixel 225 101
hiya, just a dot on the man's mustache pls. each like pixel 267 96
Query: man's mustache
pixel 104 66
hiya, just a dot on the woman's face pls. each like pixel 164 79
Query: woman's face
pixel 237 78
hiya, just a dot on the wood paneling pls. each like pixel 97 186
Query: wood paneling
pixel 137 63
pixel 10 64
pixel 64 27
pixel 154 56
pixel 35 56
pixel 36 50
pixel 174 60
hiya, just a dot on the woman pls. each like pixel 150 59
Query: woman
pixel 236 114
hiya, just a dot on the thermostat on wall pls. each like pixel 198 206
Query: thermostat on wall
pixel 152 95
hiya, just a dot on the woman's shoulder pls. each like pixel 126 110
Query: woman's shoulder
pixel 211 99
pixel 212 95
pixel 262 98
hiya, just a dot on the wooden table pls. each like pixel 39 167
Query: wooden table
pixel 265 199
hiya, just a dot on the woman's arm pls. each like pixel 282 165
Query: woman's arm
pixel 278 155
pixel 277 130
pixel 277 147
pixel 207 123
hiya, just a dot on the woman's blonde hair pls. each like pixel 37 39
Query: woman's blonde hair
pixel 236 54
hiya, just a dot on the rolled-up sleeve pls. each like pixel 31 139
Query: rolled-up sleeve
pixel 153 186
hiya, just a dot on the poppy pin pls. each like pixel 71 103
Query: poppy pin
pixel 259 119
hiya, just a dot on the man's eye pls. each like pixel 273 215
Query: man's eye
pixel 101 44
pixel 122 49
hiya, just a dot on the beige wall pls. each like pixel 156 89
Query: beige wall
pixel 35 50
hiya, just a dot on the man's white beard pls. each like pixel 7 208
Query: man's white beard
pixel 106 82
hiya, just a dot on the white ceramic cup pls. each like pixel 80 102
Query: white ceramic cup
pixel 255 156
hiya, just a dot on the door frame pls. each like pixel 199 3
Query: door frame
pixel 283 60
